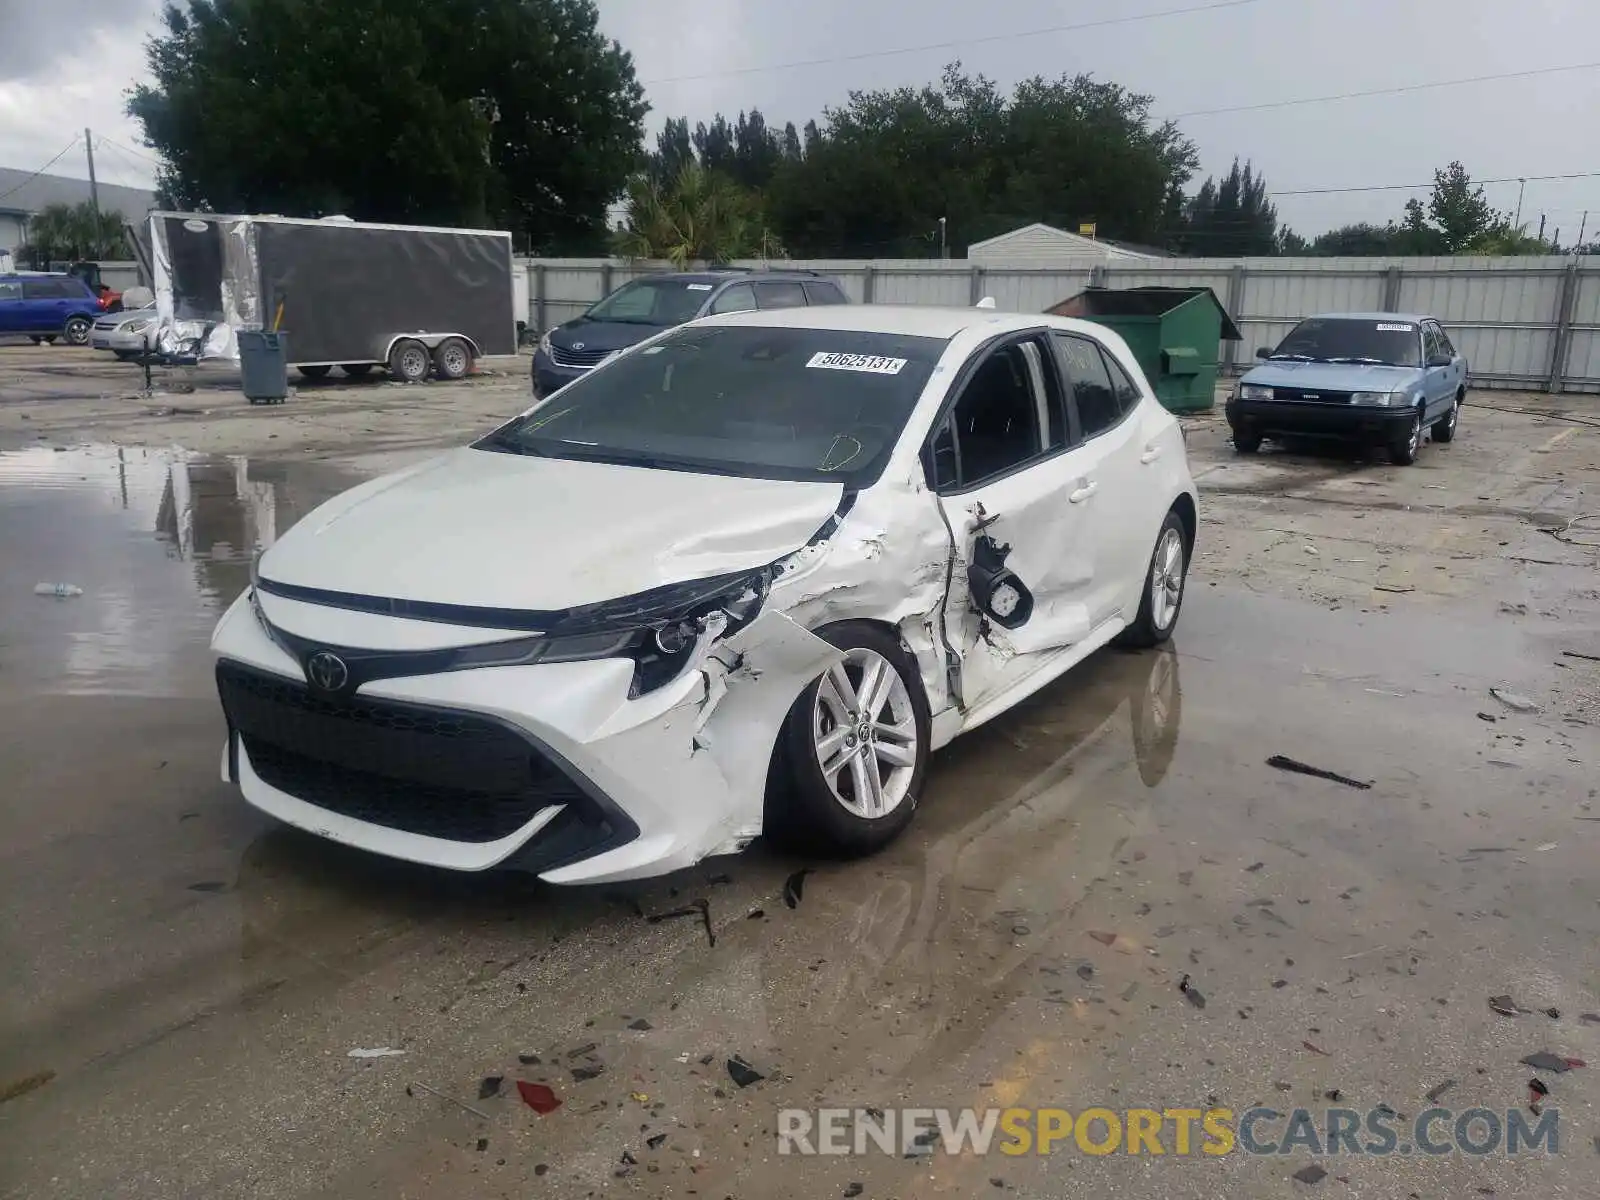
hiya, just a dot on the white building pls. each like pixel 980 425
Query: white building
pixel 1039 245
pixel 23 193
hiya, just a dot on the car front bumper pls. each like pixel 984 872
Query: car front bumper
pixel 548 377
pixel 1302 419
pixel 114 339
pixel 549 768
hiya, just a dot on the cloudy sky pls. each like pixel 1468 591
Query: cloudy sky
pixel 792 59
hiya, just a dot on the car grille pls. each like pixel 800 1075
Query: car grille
pixel 580 359
pixel 1310 396
pixel 107 326
pixel 439 772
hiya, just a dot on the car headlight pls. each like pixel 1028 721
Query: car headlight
pixel 544 342
pixel 1254 391
pixel 1379 398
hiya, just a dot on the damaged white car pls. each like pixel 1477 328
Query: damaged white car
pixel 742 579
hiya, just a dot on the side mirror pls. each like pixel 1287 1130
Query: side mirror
pixel 1440 360
pixel 1263 352
pixel 996 591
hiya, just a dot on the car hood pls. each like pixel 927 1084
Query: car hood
pixel 601 335
pixel 1343 377
pixel 485 529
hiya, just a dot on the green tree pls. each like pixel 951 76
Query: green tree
pixel 1232 218
pixel 701 216
pixel 509 112
pixel 1459 211
pixel 70 233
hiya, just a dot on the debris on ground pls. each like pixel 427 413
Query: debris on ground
pixel 1537 1091
pixel 477 1112
pixel 1545 1061
pixel 1594 658
pixel 1085 971
pixel 742 1073
pixel 695 908
pixel 639 1097
pixel 1333 1094
pixel 1254 867
pixel 641 1025
pixel 61 591
pixel 1514 700
pixel 1489 717
pixel 1193 994
pixel 490 1087
pixel 375 1052
pixel 1283 763
pixel 1311 1174
pixel 529 1060
pixel 794 887
pixel 853 1189
pixel 538 1097
pixel 584 1074
pixel 656 1142
pixel 1316 1049
pixel 580 1051
pixel 1438 1090
pixel 756 914
pixel 483 1144
pixel 1590 1018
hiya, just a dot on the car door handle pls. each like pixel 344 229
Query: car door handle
pixel 1083 493
pixel 1151 453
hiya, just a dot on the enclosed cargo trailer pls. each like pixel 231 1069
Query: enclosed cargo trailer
pixel 417 300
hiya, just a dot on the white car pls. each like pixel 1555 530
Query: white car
pixel 743 578
pixel 126 333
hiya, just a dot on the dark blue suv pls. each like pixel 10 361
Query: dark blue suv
pixel 47 307
pixel 646 306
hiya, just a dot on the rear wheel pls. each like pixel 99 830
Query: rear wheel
pixel 76 331
pixel 1444 430
pixel 357 370
pixel 854 751
pixel 314 372
pixel 1163 587
pixel 1403 450
pixel 409 361
pixel 1245 441
pixel 453 359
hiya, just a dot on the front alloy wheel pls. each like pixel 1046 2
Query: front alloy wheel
pixel 1404 452
pixel 864 734
pixel 1162 598
pixel 77 331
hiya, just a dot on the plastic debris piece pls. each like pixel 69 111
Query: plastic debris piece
pixel 1553 1013
pixel 580 1051
pixel 656 1142
pixel 62 591
pixel 794 887
pixel 1282 763
pixel 641 1025
pixel 1547 846
pixel 1514 700
pixel 538 1097
pixel 1254 867
pixel 742 1073
pixel 375 1052
pixel 1506 1006
pixel 1316 1049
pixel 639 1097
pixel 1086 971
pixel 1537 1091
pixel 696 908
pixel 1333 1094
pixel 1438 1090
pixel 1192 993
pixel 584 1074
pixel 1489 717
pixel 529 1060
pixel 628 1160
pixel 1105 939
pixel 1310 1174
pixel 490 1086
pixel 1545 1061
pixel 853 1189
pixel 756 914
pixel 483 1144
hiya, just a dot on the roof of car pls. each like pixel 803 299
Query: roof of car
pixel 726 274
pixel 912 320
pixel 1412 318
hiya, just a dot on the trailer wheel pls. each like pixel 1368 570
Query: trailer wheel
pixel 409 361
pixel 453 359
pixel 356 370
pixel 317 372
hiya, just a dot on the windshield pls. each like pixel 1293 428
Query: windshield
pixel 775 403
pixel 1344 339
pixel 661 302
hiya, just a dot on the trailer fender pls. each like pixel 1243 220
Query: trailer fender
pixel 430 340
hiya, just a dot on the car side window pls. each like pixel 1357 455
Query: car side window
pixel 10 290
pixel 824 293
pixel 1446 346
pixel 1009 411
pixel 1430 340
pixel 1128 393
pixel 780 294
pixel 37 289
pixel 741 297
pixel 1094 396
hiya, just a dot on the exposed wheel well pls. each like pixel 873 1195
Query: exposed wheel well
pixel 1184 507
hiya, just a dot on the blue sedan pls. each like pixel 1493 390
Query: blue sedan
pixel 1380 378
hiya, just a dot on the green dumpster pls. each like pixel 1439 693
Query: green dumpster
pixel 1175 333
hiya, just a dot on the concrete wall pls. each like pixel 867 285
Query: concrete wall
pixel 1530 322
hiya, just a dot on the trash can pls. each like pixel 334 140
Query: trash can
pixel 1174 333
pixel 264 366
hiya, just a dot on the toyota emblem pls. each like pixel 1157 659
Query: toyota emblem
pixel 327 671
pixel 577 345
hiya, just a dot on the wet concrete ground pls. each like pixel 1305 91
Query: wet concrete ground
pixel 194 977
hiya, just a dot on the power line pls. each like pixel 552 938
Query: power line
pixel 130 150
pixel 1411 187
pixel 41 170
pixel 1388 91
pixel 126 160
pixel 956 44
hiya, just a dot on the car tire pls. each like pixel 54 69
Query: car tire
pixel 313 372
pixel 452 359
pixel 1444 430
pixel 1246 442
pixel 1403 450
pixel 357 370
pixel 1168 571
pixel 77 330
pixel 409 361
pixel 815 808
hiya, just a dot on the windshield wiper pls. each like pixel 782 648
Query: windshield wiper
pixel 506 440
pixel 1291 357
pixel 1346 358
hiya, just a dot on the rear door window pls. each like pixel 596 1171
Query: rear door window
pixel 1128 393
pixel 40 289
pixel 824 293
pixel 1093 394
pixel 10 289
pixel 780 294
pixel 741 297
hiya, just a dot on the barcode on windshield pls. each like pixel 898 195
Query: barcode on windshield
pixel 1397 328
pixel 872 364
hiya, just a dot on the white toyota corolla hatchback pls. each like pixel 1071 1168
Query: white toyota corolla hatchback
pixel 743 578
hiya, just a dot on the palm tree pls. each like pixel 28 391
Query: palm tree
pixel 700 216
pixel 62 232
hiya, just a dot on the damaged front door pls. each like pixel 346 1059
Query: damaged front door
pixel 1012 490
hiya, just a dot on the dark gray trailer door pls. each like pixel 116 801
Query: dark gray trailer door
pixel 346 289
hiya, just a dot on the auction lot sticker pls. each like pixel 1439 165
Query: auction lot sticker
pixel 872 364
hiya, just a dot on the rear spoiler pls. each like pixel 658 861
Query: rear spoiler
pixel 986 302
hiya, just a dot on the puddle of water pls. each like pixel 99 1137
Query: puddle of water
pixel 160 541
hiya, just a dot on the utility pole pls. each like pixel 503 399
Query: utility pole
pixel 94 189
pixel 944 251
pixel 1541 227
pixel 1584 227
pixel 1521 184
